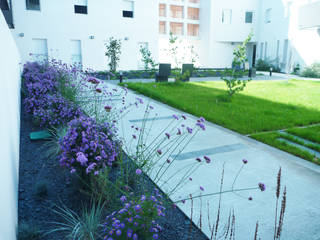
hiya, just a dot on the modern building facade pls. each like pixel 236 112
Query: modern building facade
pixel 207 31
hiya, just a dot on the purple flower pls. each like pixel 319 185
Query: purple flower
pixel 201 188
pixel 140 100
pixel 190 178
pixel 201 125
pixel 159 151
pixel 262 186
pixel 183 201
pixel 167 135
pixel 155 236
pixel 202 119
pixel 118 232
pixel 245 161
pixel 134 136
pixel 123 199
pixel 98 90
pixel 168 160
pixel 198 159
pixel 179 131
pixel 81 158
pixel 208 160
pixel 184 117
pixel 137 207
pixel 189 130
pixel 90 167
pixel 135 237
pixel 72 170
pixel 175 116
pixel 250 198
pixel 138 171
pixel 107 108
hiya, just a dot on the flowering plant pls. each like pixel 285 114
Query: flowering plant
pixel 88 147
pixel 136 219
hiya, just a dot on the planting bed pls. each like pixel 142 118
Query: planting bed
pixel 61 189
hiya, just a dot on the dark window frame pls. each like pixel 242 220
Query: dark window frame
pixel 249 17
pixel 4 5
pixel 127 14
pixel 33 6
pixel 80 9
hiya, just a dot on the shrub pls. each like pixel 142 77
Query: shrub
pixel 312 71
pixel 263 65
pixel 113 53
pixel 136 220
pixel 88 147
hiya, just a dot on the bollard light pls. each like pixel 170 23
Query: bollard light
pixel 271 71
pixel 120 76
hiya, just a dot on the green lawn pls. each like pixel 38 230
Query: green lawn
pixel 263 106
pixel 310 133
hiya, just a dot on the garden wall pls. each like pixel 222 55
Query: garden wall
pixel 9 132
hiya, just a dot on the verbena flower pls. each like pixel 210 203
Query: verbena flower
pixel 208 160
pixel 262 186
pixel 138 171
pixel 245 161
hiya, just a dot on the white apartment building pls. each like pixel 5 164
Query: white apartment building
pixel 77 30
pixel 285 32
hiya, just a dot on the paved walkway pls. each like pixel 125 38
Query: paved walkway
pixel 261 76
pixel 227 148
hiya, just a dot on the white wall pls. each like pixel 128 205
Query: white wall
pixel 9 132
pixel 304 44
pixel 58 23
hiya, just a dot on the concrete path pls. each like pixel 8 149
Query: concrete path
pixel 261 76
pixel 227 148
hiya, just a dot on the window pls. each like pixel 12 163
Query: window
pixel 249 17
pixel 128 7
pixel 193 30
pixel 176 28
pixel 194 1
pixel 162 10
pixel 81 7
pixel 226 16
pixel 162 27
pixel 268 16
pixel 76 57
pixel 176 11
pixel 265 50
pixel 39 49
pixel 33 5
pixel 193 13
pixel 261 50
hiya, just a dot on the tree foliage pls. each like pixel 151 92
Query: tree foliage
pixel 113 53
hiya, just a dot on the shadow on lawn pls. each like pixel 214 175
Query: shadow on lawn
pixel 244 114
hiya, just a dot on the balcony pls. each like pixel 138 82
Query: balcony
pixel 309 16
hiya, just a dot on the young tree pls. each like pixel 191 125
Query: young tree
pixel 113 53
pixel 149 62
pixel 231 77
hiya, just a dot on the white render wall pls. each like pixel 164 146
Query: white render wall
pixel 58 23
pixel 9 132
pixel 303 44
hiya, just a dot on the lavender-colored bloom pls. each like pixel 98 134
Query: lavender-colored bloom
pixel 118 232
pixel 137 207
pixel 167 135
pixel 201 188
pixel 90 167
pixel 155 236
pixel 81 158
pixel 184 117
pixel 123 199
pixel 198 159
pixel 143 198
pixel 262 186
pixel 72 170
pixel 98 90
pixel 202 119
pixel 159 151
pixel 107 108
pixel 179 131
pixel 250 198
pixel 190 178
pixel 138 171
pixel 183 201
pixel 189 130
pixel 201 125
pixel 208 160
pixel 134 136
pixel 175 116
pixel 135 237
pixel 168 160
pixel 245 161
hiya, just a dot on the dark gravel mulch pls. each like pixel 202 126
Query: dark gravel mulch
pixel 35 167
